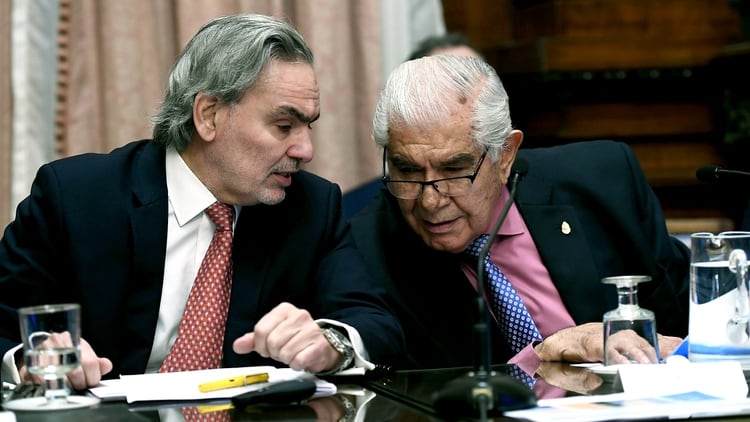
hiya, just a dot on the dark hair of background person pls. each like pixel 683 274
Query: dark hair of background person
pixel 427 46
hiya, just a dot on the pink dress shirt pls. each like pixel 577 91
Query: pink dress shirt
pixel 515 253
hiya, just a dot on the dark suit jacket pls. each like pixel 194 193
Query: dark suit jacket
pixel 93 231
pixel 617 228
pixel 356 199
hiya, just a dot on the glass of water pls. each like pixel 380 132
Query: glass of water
pixel 51 336
pixel 629 330
pixel 719 326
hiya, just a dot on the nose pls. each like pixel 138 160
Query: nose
pixel 302 147
pixel 430 197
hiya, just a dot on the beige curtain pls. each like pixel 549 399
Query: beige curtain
pixel 115 57
pixel 121 52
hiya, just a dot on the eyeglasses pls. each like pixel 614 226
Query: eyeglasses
pixel 450 186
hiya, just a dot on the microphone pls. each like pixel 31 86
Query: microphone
pixel 485 392
pixel 484 359
pixel 716 174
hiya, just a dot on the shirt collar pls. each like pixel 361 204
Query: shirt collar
pixel 188 196
pixel 513 224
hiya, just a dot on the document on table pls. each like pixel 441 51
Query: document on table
pixel 665 391
pixel 183 386
pixel 624 406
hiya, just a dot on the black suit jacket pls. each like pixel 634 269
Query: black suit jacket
pixel 93 231
pixel 617 228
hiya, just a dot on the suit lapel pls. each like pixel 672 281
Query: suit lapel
pixel 149 233
pixel 149 216
pixel 560 238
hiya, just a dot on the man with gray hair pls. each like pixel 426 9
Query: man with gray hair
pixel 583 211
pixel 191 250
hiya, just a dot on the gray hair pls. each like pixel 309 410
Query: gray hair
pixel 424 91
pixel 224 60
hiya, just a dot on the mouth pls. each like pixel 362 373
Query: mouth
pixel 439 227
pixel 285 177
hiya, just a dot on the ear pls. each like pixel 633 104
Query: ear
pixel 205 114
pixel 509 154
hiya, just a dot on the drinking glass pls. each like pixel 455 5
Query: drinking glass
pixel 629 330
pixel 51 348
pixel 719 302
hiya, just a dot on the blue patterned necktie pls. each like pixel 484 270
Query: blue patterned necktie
pixel 511 314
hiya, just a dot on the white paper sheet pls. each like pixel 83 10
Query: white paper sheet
pixel 183 386
pixel 666 391
pixel 719 379
pixel 624 406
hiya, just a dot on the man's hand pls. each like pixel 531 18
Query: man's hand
pixel 291 336
pixel 330 408
pixel 626 346
pixel 89 374
pixel 585 343
pixel 568 377
pixel 667 345
pixel 582 343
pixel 91 370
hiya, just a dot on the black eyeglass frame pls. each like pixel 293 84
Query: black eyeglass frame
pixel 386 179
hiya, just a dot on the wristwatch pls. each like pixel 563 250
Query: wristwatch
pixel 349 407
pixel 342 345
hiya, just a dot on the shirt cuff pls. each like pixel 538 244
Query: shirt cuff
pixel 9 371
pixel 527 359
pixel 361 357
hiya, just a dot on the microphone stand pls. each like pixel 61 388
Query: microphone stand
pixel 475 392
pixel 716 174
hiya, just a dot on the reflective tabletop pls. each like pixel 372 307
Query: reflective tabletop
pixel 395 396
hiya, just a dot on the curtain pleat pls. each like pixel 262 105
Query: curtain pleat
pixel 6 111
pixel 33 60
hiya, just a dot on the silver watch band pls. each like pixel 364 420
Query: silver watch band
pixel 342 345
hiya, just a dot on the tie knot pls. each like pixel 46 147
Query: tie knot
pixel 222 215
pixel 476 246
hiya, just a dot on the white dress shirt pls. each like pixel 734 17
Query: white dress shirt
pixel 189 233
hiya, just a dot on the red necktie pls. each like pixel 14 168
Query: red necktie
pixel 201 334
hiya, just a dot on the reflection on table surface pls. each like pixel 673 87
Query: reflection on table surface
pixel 397 396
pixel 415 388
pixel 552 380
pixel 361 406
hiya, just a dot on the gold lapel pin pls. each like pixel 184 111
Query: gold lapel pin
pixel 565 227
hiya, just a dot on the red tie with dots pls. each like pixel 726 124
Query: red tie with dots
pixel 200 337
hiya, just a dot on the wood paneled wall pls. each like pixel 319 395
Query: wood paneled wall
pixel 666 76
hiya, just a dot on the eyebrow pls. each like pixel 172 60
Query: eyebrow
pixel 460 159
pixel 285 111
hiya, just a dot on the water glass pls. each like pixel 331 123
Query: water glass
pixel 51 336
pixel 719 301
pixel 629 331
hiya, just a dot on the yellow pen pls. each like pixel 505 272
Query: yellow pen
pixel 210 408
pixel 232 382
